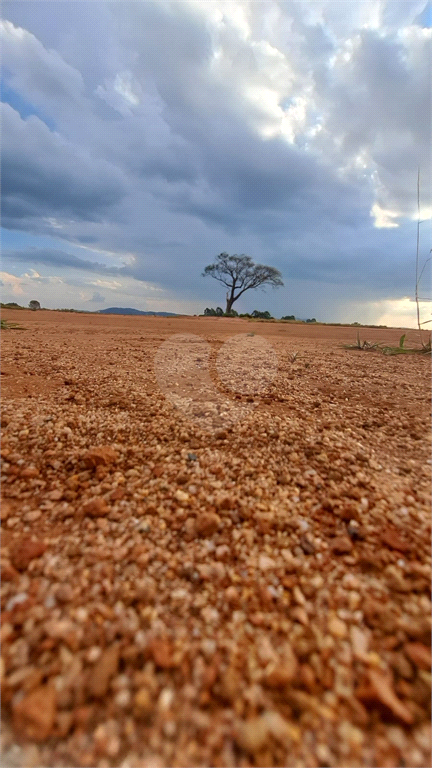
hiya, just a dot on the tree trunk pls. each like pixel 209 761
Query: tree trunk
pixel 229 301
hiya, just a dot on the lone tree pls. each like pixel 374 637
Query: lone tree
pixel 34 304
pixel 240 274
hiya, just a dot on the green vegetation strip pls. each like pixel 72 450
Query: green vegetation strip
pixel 425 349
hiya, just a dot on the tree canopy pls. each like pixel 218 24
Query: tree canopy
pixel 240 274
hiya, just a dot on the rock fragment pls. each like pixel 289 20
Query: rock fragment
pixel 393 539
pixel 383 689
pixel 207 523
pixel 252 735
pixel 34 715
pixel 103 455
pixel 102 672
pixel 420 654
pixel 96 507
pixel 162 652
pixel 282 671
pixel 341 545
pixel 24 551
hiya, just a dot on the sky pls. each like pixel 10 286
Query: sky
pixel 142 139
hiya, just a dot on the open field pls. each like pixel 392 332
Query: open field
pixel 245 583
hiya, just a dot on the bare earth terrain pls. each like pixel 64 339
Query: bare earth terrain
pixel 222 579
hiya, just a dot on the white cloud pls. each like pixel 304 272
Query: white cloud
pixel 33 274
pixel 384 218
pixel 403 313
pixel 112 285
pixel 13 282
pixel 36 70
pixel 121 93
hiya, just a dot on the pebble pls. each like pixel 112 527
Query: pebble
pixel 165 700
pixel 103 671
pixel 96 507
pixel 31 517
pixel 24 551
pixel 385 693
pixel 21 597
pixel 341 545
pixel 232 595
pixel 281 672
pixel 181 496
pixel 359 642
pixel 123 698
pixel 162 652
pixel 103 455
pixel 64 593
pixel 420 654
pixel 337 627
pixel 282 730
pixel 252 735
pixel 5 511
pixel 93 654
pixel 30 472
pixel 207 523
pixel 266 563
pixel 144 702
pixel 34 714
pixel 169 728
pixel 210 614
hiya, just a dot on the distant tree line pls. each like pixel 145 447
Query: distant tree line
pixel 218 312
pixel 256 314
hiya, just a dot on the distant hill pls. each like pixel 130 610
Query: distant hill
pixel 130 311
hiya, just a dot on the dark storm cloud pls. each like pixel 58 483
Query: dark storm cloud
pixel 57 258
pixel 43 175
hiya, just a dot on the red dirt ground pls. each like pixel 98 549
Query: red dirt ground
pixel 195 572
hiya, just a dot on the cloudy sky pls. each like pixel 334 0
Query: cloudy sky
pixel 141 139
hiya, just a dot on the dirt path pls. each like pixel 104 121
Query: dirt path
pixel 199 573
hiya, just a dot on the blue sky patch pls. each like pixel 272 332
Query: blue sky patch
pixel 25 109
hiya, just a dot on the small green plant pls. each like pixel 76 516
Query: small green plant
pixel 403 350
pixel 388 350
pixel 6 325
pixel 293 357
pixel 364 345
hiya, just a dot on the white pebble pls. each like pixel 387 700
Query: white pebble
pixel 93 654
pixel 208 647
pixel 166 698
pixel 123 697
pixel 21 597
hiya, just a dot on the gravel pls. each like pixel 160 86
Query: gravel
pixel 174 594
